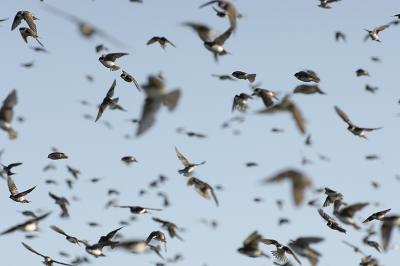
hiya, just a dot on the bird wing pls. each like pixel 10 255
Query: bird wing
pixel 32 250
pixel 350 210
pixel 298 117
pixel 110 235
pixel 26 192
pixel 153 40
pixel 208 3
pixel 232 15
pixel 17 21
pixel 298 192
pixel 182 158
pixel 266 99
pixel 29 18
pixel 343 115
pixel 114 56
pixel 289 251
pixel 325 216
pixel 53 196
pixel 170 99
pixel 252 240
pixel 214 196
pixel 168 41
pixel 150 108
pixel 110 92
pixel 309 240
pixel 58 230
pixel 269 241
pixel 11 186
pixel 223 37
pixel 386 233
pixel 381 28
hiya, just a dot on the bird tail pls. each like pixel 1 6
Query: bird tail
pixel 114 68
pixel 12 134
pixel 171 99
pixel 251 77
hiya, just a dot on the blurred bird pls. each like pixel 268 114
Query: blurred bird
pixel 340 36
pixel 171 227
pixel 130 79
pixel 267 96
pixel 47 260
pixel 325 3
pixel 7 114
pixel 27 32
pixel 157 235
pixel 301 246
pixel 62 203
pixel 377 216
pixel 308 89
pixel 57 155
pixel 203 188
pixel 388 222
pixel 161 40
pixel 250 246
pixel 29 226
pixel 332 196
pixel 7 168
pixel 15 194
pixel 108 60
pixel 189 167
pixel 240 102
pixel 346 214
pixel 28 17
pixel 331 223
pixel 281 250
pixel 374 33
pixel 216 46
pixel 138 209
pixel 243 75
pixel 307 76
pixel 108 101
pixel 69 238
pixel 228 8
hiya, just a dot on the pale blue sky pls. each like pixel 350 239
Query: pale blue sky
pixel 274 39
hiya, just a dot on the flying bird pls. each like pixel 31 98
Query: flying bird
pixel 63 203
pixel 216 46
pixel 250 246
pixel 189 167
pixel 347 213
pixel 331 222
pixel 7 114
pixel 69 238
pixel 159 236
pixel 130 79
pixel 47 260
pixel 243 75
pixel 281 250
pixel 332 196
pixel 28 17
pixel 228 8
pixel 267 96
pixel 15 194
pixel 301 246
pixel 308 89
pixel 203 188
pixel 358 131
pixel 374 33
pixel 138 209
pixel 108 60
pixel 108 101
pixel 307 76
pixel 28 226
pixel 161 40
pixel 377 216
pixel 170 227
pixel 240 102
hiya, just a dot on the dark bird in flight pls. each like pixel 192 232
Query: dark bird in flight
pixel 109 101
pixel 331 222
pixel 47 260
pixel 7 114
pixel 301 246
pixel 203 188
pixel 130 79
pixel 377 216
pixel 161 40
pixel 243 75
pixel 228 9
pixel 250 246
pixel 169 226
pixel 108 60
pixel 281 250
pixel 307 76
pixel 28 226
pixel 189 167
pixel 28 17
pixel 72 239
pixel 240 102
pixel 63 203
pixel 15 194
pixel 374 33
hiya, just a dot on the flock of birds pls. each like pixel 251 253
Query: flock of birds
pixel 343 214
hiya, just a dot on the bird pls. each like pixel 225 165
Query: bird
pixel 388 222
pixel 361 72
pixel 71 239
pixel 28 226
pixel 240 102
pixel 189 167
pixel 7 114
pixel 300 182
pixel 203 188
pixel 156 96
pixel 307 76
pixel 331 222
pixel 301 246
pixel 332 196
pixel 62 203
pixel 47 260
pixel 97 249
pixel 129 159
pixel 250 246
pixel 243 75
pixel 108 101
pixel 27 16
pixel 161 40
pixel 228 8
pixel 374 33
pixel 204 32
pixel 308 89
pixel 281 250
pixel 15 194
pixel 346 213
pixel 7 168
pixel 224 77
pixel 130 79
pixel 216 45
pixel 57 155
pixel 287 105
pixel 357 131
pixel 325 3
pixel 377 216
pixel 354 247
pixel 74 172
pixel 159 236
pixel 138 209
pixel 371 243
pixel 267 96
pixel 27 32
pixel 108 60
pixel 340 36
pixel 170 227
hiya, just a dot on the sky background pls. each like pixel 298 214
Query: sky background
pixel 274 39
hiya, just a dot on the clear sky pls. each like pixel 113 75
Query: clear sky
pixel 274 39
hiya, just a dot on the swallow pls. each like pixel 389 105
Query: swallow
pixel 7 168
pixel 139 209
pixel 69 238
pixel 250 246
pixel 204 32
pixel 47 260
pixel 243 75
pixel 325 3
pixel 371 89
pixel 74 172
pixel 157 235
pixel 369 261
pixel 361 72
pixel 340 36
pixel 161 40
pixel 307 76
pixel 287 105
pixel 97 249
pixel 300 182
pixel 332 196
pixel 108 101
pixel 240 102
pixel 28 64
pixel 156 96
pixel 166 202
pixel 376 216
pixel 170 227
pixel 301 246
pixel 266 95
pixel 27 32
pixel 203 188
pixel 7 114
pixel 62 203
pixel 216 46
pixel 308 89
pixel 108 60
pixel 354 247
pixel 331 222
pixel 228 8
pixel 189 167
pixel 281 250
pixel 86 29
pixel 388 222
pixel 224 77
pixel 28 17
pixel 371 243
pixel 57 155
pixel 374 33
pixel 346 214
pixel 358 131
pixel 15 194
pixel 30 225
pixel 130 79
pixel 129 159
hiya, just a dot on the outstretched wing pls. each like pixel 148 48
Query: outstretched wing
pixel 11 186
pixel 32 250
pixel 343 115
pixel 182 158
